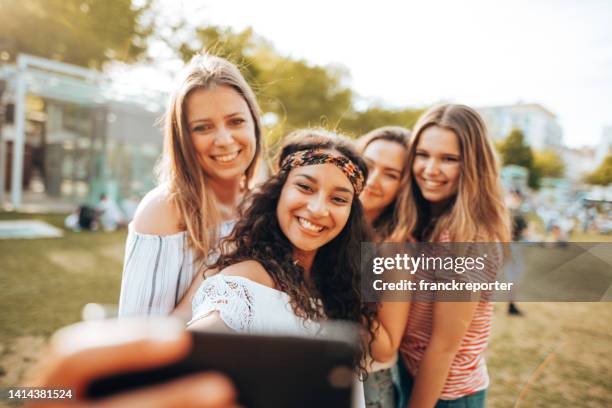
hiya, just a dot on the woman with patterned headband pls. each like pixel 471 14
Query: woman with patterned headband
pixel 298 239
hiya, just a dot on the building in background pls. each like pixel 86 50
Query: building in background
pixel 578 162
pixel 605 146
pixel 540 126
pixel 71 134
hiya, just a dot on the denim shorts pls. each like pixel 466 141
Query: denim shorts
pixel 381 389
pixel 475 400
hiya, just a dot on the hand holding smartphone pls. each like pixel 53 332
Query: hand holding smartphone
pixel 267 371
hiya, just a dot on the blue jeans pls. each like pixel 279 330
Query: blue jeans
pixel 475 400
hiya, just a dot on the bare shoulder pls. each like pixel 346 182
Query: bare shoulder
pixel 251 270
pixel 156 214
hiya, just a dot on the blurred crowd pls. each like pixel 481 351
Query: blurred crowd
pixel 105 215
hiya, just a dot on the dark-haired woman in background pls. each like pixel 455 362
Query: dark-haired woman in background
pixel 451 194
pixel 385 152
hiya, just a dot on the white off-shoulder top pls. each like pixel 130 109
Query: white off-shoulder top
pixel 249 307
pixel 157 272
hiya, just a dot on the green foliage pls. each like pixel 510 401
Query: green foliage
pixel 360 123
pixel 514 150
pixel 533 180
pixel 81 32
pixel 548 163
pixel 304 95
pixel 237 47
pixel 603 174
pixel 299 94
pixel 293 92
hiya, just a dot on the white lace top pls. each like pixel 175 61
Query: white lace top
pixel 249 307
pixel 157 271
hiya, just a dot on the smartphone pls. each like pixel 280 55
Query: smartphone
pixel 268 371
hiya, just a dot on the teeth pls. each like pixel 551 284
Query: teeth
pixel 226 158
pixel 309 226
pixel 430 183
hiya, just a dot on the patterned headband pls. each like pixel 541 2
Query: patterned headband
pixel 311 157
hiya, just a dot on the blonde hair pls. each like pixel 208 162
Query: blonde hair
pixel 478 212
pixel 179 167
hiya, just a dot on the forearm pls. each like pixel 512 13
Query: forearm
pixel 431 377
pixel 211 322
pixel 183 309
pixel 393 317
pixel 382 347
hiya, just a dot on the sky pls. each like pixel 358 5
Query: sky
pixel 557 53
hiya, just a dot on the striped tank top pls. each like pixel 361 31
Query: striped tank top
pixel 468 371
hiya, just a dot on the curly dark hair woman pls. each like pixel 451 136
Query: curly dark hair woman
pixel 276 233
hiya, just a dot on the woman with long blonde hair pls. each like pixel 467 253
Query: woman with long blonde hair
pixel 212 147
pixel 452 193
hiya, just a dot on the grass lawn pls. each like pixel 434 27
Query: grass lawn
pixel 46 283
pixel 558 354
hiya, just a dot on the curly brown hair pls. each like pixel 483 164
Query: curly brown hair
pixel 335 271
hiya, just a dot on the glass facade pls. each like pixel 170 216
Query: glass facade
pixel 84 136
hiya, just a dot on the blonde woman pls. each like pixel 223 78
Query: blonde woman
pixel 212 145
pixel 451 194
pixel 385 152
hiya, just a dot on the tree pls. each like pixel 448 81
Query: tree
pixel 81 32
pixel 304 94
pixel 359 123
pixel 299 93
pixel 294 92
pixel 548 163
pixel 239 48
pixel 603 174
pixel 514 150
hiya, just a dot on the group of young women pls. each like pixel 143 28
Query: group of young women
pixel 226 250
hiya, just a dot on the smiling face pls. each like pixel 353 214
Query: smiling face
pixel 314 205
pixel 437 164
pixel 222 131
pixel 386 162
